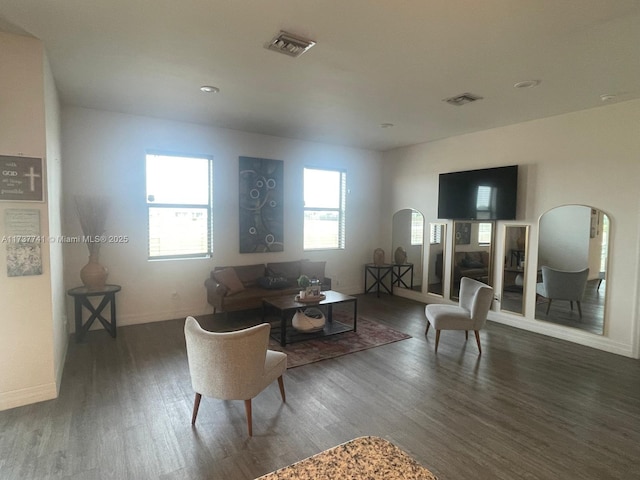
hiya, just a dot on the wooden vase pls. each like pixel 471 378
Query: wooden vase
pixel 94 275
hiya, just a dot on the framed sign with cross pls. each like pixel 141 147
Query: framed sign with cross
pixel 21 179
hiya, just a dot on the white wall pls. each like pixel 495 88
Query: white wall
pixel 54 200
pixel 588 157
pixel 104 153
pixel 27 368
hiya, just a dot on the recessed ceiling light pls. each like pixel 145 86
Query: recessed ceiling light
pixel 209 89
pixel 386 125
pixel 607 97
pixel 527 84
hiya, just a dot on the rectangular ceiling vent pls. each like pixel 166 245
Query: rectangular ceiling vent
pixel 463 99
pixel 290 44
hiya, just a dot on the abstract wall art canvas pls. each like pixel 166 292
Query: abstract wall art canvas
pixel 463 233
pixel 261 205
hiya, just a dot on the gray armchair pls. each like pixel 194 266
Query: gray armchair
pixel 563 285
pixel 470 313
pixel 232 365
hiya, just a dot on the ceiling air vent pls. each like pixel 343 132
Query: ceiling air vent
pixel 290 44
pixel 462 99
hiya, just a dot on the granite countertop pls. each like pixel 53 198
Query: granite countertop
pixel 370 458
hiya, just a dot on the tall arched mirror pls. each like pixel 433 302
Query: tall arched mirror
pixel 472 253
pixel 435 271
pixel 573 252
pixel 407 240
pixel 514 272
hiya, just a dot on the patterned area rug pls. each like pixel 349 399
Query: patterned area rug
pixel 369 334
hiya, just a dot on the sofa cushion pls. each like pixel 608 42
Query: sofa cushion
pixel 468 263
pixel 249 274
pixel 458 257
pixel 312 269
pixel 290 270
pixel 274 283
pixel 229 278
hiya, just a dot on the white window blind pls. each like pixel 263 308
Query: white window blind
pixel 324 208
pixel 179 204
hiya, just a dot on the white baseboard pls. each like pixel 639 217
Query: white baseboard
pixel 569 334
pixel 27 396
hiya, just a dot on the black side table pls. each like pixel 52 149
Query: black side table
pixel 81 298
pixel 400 270
pixel 378 273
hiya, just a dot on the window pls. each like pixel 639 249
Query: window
pixel 435 236
pixel 417 228
pixel 179 201
pixel 324 208
pixel 484 233
pixel 483 199
pixel 604 252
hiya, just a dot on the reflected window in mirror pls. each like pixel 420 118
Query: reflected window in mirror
pixel 573 253
pixel 417 228
pixel 472 253
pixel 407 239
pixel 435 272
pixel 514 273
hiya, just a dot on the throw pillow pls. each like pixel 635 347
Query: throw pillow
pixel 284 269
pixel 466 263
pixel 273 283
pixel 474 264
pixel 229 278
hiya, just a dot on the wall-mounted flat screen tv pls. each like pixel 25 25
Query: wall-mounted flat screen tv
pixel 486 194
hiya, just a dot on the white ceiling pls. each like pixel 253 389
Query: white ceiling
pixel 375 62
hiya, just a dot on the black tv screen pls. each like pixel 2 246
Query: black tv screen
pixel 486 194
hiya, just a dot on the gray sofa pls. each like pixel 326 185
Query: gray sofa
pixel 243 287
pixel 471 264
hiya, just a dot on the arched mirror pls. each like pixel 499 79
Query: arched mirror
pixel 472 253
pixel 407 240
pixel 573 251
pixel 435 273
pixel 514 272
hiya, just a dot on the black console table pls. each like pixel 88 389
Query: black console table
pixel 517 257
pixel 81 298
pixel 400 271
pixel 378 274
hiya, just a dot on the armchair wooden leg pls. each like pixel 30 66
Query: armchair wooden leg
pixel 247 409
pixel 196 406
pixel 437 339
pixel 281 385
pixel 428 325
pixel 478 340
pixel 579 309
pixel 466 334
pixel 548 306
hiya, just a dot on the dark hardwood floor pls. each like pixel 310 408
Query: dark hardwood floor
pixel 592 305
pixel 529 407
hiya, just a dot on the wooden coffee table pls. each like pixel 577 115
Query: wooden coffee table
pixel 285 307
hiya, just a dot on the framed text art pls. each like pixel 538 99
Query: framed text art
pixel 23 240
pixel 261 208
pixel 21 179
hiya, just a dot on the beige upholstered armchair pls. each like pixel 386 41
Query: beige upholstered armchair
pixel 233 365
pixel 563 285
pixel 470 313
